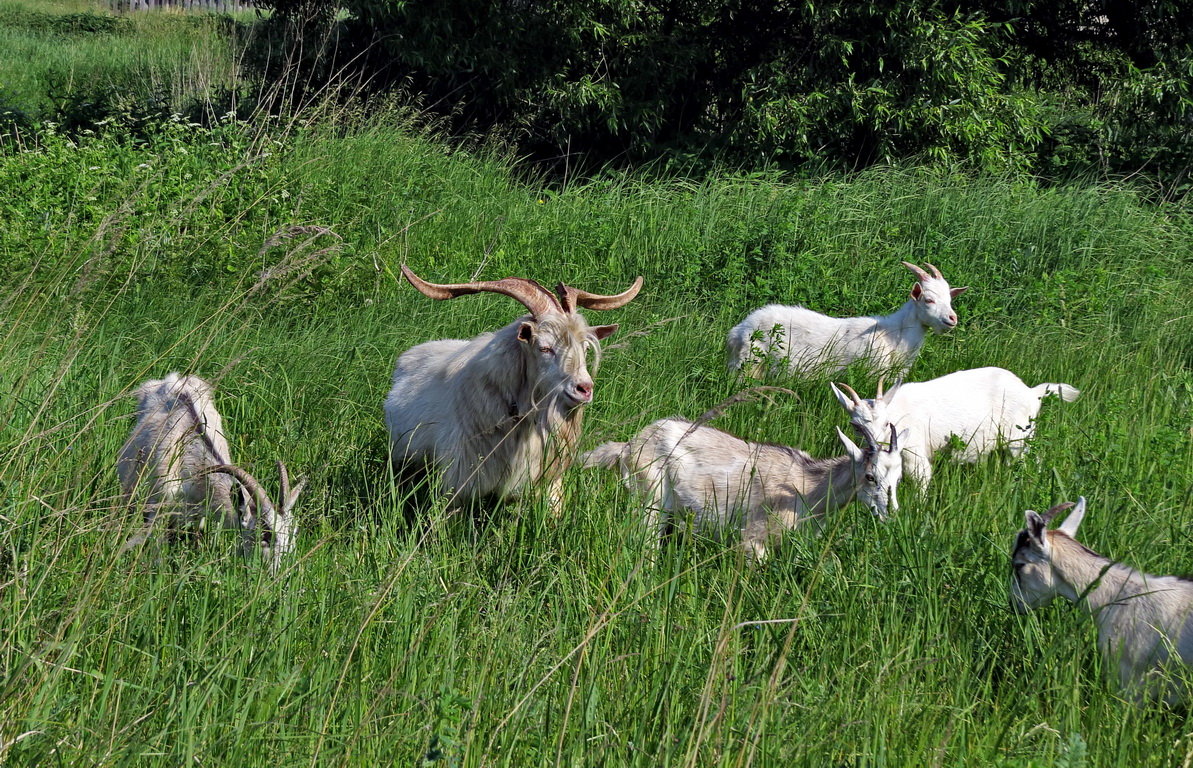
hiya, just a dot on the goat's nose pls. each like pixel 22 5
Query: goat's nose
pixel 952 319
pixel 584 390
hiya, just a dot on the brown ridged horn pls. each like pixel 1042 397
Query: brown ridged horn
pixel 919 273
pixel 935 271
pixel 849 391
pixel 248 481
pixel 570 298
pixel 1057 510
pixel 533 296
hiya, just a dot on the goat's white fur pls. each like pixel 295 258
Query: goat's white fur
pixel 1145 622
pixel 761 488
pixel 802 341
pixel 177 462
pixel 984 407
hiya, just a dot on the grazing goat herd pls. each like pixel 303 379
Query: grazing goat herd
pixel 498 413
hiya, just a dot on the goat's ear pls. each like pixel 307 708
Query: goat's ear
pixel 916 290
pixel 1073 521
pixel 889 395
pixel 526 333
pixel 901 438
pixel 846 402
pixel 855 453
pixel 1037 529
pixel 955 292
pixel 605 331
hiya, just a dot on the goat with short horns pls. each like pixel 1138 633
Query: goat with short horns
pixel 983 407
pixel 798 340
pixel 760 488
pixel 177 463
pixel 1145 622
pixel 504 409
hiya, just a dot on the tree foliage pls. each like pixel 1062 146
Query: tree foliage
pixel 993 83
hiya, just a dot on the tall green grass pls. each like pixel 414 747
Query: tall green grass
pixel 400 635
pixel 76 62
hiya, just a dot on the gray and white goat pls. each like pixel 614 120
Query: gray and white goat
pixel 177 462
pixel 504 409
pixel 796 339
pixel 1145 622
pixel 984 407
pixel 724 480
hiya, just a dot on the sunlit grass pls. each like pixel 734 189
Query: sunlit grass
pixel 400 635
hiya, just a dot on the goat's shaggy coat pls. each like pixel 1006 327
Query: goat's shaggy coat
pixel 801 341
pixel 503 410
pixel 1145 622
pixel 758 488
pixel 178 437
pixel 177 462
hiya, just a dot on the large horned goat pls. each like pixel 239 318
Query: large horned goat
pixel 759 488
pixel 799 340
pixel 176 462
pixel 501 410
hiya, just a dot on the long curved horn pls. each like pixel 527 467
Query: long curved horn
pixel 570 298
pixel 849 391
pixel 246 480
pixel 533 296
pixel 1051 513
pixel 919 273
pixel 878 394
pixel 935 271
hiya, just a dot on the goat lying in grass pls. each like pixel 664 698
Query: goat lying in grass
pixel 762 488
pixel 1145 623
pixel 176 462
pixel 984 407
pixel 802 341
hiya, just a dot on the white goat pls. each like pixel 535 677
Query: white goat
pixel 800 341
pixel 177 462
pixel 504 409
pixel 1145 623
pixel 984 407
pixel 764 488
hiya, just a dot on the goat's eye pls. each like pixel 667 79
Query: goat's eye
pixel 929 301
pixel 548 351
pixel 871 479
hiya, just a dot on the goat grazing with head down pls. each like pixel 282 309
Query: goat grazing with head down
pixel 796 339
pixel 723 480
pixel 176 462
pixel 1145 623
pixel 503 409
pixel 984 407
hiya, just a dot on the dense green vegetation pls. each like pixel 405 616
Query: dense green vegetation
pixel 1053 87
pixel 263 257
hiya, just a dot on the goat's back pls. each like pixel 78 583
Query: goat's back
pixel 178 434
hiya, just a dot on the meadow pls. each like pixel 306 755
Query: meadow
pixel 265 258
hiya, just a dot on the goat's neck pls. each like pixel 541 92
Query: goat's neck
pixel 1090 581
pixel 902 327
pixel 833 485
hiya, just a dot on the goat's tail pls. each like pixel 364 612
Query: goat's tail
pixel 606 456
pixel 1066 392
